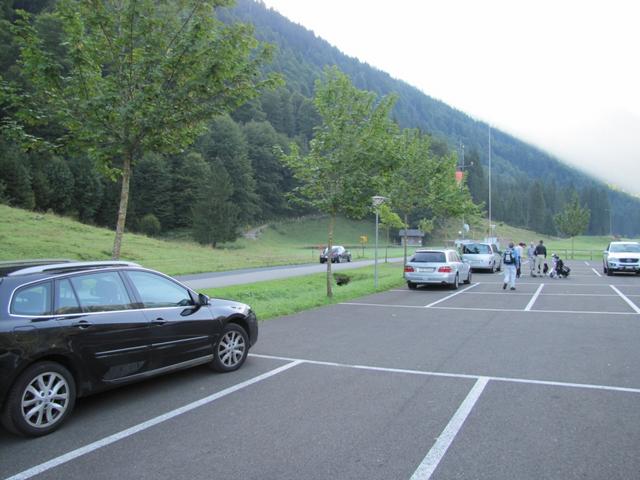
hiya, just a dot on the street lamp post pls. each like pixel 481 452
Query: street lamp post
pixel 377 201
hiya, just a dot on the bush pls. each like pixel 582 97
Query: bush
pixel 150 225
pixel 341 278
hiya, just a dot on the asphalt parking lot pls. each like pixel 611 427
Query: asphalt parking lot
pixel 478 383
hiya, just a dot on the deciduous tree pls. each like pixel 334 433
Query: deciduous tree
pixel 140 76
pixel 348 155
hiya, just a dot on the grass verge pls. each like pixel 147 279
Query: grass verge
pixel 283 297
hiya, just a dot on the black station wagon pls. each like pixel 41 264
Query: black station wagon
pixel 70 329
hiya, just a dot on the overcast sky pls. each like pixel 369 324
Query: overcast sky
pixel 563 75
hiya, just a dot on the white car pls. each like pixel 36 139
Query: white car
pixel 482 256
pixel 436 267
pixel 621 257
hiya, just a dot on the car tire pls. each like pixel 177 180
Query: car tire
pixel 339 260
pixel 468 280
pixel 35 414
pixel 231 350
pixel 349 258
pixel 456 283
pixel 412 286
pixel 493 268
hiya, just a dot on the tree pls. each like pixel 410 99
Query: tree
pixel 214 214
pixel 348 154
pixel 139 76
pixel 422 183
pixel 225 146
pixel 537 207
pixel 573 220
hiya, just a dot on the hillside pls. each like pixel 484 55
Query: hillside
pixel 301 56
pixel 25 234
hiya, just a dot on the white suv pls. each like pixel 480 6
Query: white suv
pixel 621 257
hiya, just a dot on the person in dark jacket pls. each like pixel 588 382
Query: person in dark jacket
pixel 541 256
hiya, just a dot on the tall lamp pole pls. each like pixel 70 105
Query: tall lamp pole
pixel 377 201
pixel 490 227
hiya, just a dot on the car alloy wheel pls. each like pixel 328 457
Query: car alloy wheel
pixel 231 350
pixel 456 283
pixel 42 397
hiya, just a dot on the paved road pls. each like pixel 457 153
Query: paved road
pixel 250 275
pixel 479 384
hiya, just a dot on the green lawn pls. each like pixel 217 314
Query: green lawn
pixel 283 297
pixel 25 234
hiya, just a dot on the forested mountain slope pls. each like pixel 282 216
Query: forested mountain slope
pixel 526 180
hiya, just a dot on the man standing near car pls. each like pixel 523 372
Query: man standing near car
pixel 541 256
pixel 531 256
pixel 510 262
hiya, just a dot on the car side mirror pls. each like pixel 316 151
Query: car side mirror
pixel 203 299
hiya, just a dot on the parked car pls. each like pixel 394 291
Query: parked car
pixel 339 254
pixel 436 267
pixel 621 257
pixel 482 256
pixel 76 328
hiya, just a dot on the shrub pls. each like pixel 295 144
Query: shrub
pixel 341 278
pixel 150 225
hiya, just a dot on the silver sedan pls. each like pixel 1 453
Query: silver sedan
pixel 436 267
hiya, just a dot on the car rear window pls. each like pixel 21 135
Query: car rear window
pixel 476 248
pixel 429 257
pixel 34 300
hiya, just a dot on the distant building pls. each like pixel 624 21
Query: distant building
pixel 414 237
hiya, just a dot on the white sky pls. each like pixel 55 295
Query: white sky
pixel 563 75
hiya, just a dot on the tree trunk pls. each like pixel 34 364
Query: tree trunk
pixel 406 219
pixel 332 219
pixel 122 209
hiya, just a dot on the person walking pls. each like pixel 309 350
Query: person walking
pixel 510 261
pixel 520 248
pixel 541 256
pixel 531 257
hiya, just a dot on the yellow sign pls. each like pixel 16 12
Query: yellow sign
pixel 364 239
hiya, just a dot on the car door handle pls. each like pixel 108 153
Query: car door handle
pixel 159 321
pixel 82 324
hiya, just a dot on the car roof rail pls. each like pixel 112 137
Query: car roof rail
pixel 69 266
pixel 9 266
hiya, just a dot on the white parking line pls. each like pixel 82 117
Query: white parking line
pixel 431 461
pixel 586 263
pixel 534 298
pixel 67 457
pixel 451 296
pixel 476 309
pixel 596 272
pixel 550 383
pixel 624 297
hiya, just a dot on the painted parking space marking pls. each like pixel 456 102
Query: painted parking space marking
pixel 549 383
pixel 477 309
pixel 596 272
pixel 626 299
pixel 67 457
pixel 519 310
pixel 451 296
pixel 448 435
pixel 534 298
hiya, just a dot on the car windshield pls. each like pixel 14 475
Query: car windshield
pixel 429 257
pixel 625 247
pixel 333 250
pixel 476 248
